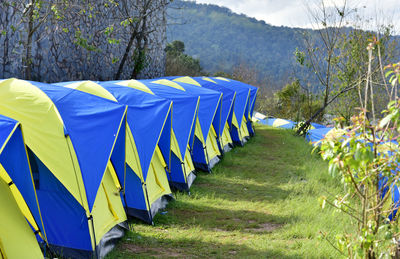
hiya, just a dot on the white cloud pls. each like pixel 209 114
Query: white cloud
pixel 293 13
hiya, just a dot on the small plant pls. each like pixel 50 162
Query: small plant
pixel 366 158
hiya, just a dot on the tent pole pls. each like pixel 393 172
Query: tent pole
pixel 184 174
pixel 148 203
pixel 207 158
pixel 90 218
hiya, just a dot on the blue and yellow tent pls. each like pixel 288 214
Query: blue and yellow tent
pixel 251 103
pixel 184 113
pixel 18 202
pixel 71 137
pixel 315 135
pixel 228 98
pixel 205 151
pixel 317 125
pixel 259 118
pixel 148 144
pixel 239 130
pixel 281 123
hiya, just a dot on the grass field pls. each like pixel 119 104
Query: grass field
pixel 261 201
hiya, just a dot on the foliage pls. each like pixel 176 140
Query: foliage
pixel 337 57
pixel 249 207
pixel 223 40
pixel 352 62
pixel 180 64
pixel 365 156
pixel 294 103
pixel 80 38
pixel 227 40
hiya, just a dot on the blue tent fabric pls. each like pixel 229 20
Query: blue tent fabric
pixel 250 103
pixel 317 125
pixel 241 100
pixel 290 124
pixel 253 94
pixel 149 119
pixel 83 113
pixel 14 160
pixel 228 99
pixel 92 124
pixel 183 112
pixel 7 126
pixel 252 97
pixel 262 122
pixel 211 98
pixel 315 135
pixel 146 119
pixel 209 102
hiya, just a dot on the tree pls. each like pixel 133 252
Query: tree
pixel 139 32
pixel 72 40
pixel 321 59
pixel 176 46
pixel 32 14
pixel 340 62
pixel 180 64
pixel 366 158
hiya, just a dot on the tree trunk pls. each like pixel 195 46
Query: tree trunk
pixel 126 54
pixel 28 55
pixel 315 115
pixel 138 66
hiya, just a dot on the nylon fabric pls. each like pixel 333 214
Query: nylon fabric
pixel 14 230
pixel 157 186
pixel 63 216
pixel 43 128
pixel 226 137
pixel 19 199
pixel 14 167
pixel 212 145
pixel 187 80
pixel 86 151
pixel 244 129
pixel 168 83
pixel 83 113
pixel 108 210
pixel 210 100
pixel 183 112
pixel 147 116
pixel 89 87
pixel 241 99
pixel 132 157
pixel 136 85
pixel 148 119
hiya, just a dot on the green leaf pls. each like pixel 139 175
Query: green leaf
pixel 386 120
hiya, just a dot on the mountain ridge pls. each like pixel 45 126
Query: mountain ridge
pixel 222 39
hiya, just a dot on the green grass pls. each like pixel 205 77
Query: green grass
pixel 261 201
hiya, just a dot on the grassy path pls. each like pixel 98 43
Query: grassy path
pixel 261 201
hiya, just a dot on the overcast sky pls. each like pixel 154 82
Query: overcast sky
pixel 293 13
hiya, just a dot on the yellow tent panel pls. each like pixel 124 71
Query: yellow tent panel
pixel 16 237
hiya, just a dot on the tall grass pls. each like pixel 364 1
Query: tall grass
pixel 261 201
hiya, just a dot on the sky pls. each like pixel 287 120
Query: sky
pixel 294 13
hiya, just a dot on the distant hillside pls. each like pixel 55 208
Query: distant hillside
pixel 221 39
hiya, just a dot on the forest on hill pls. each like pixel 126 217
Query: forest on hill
pixel 222 39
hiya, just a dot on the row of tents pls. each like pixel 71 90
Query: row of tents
pixel 78 158
pixel 281 123
pixel 317 133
